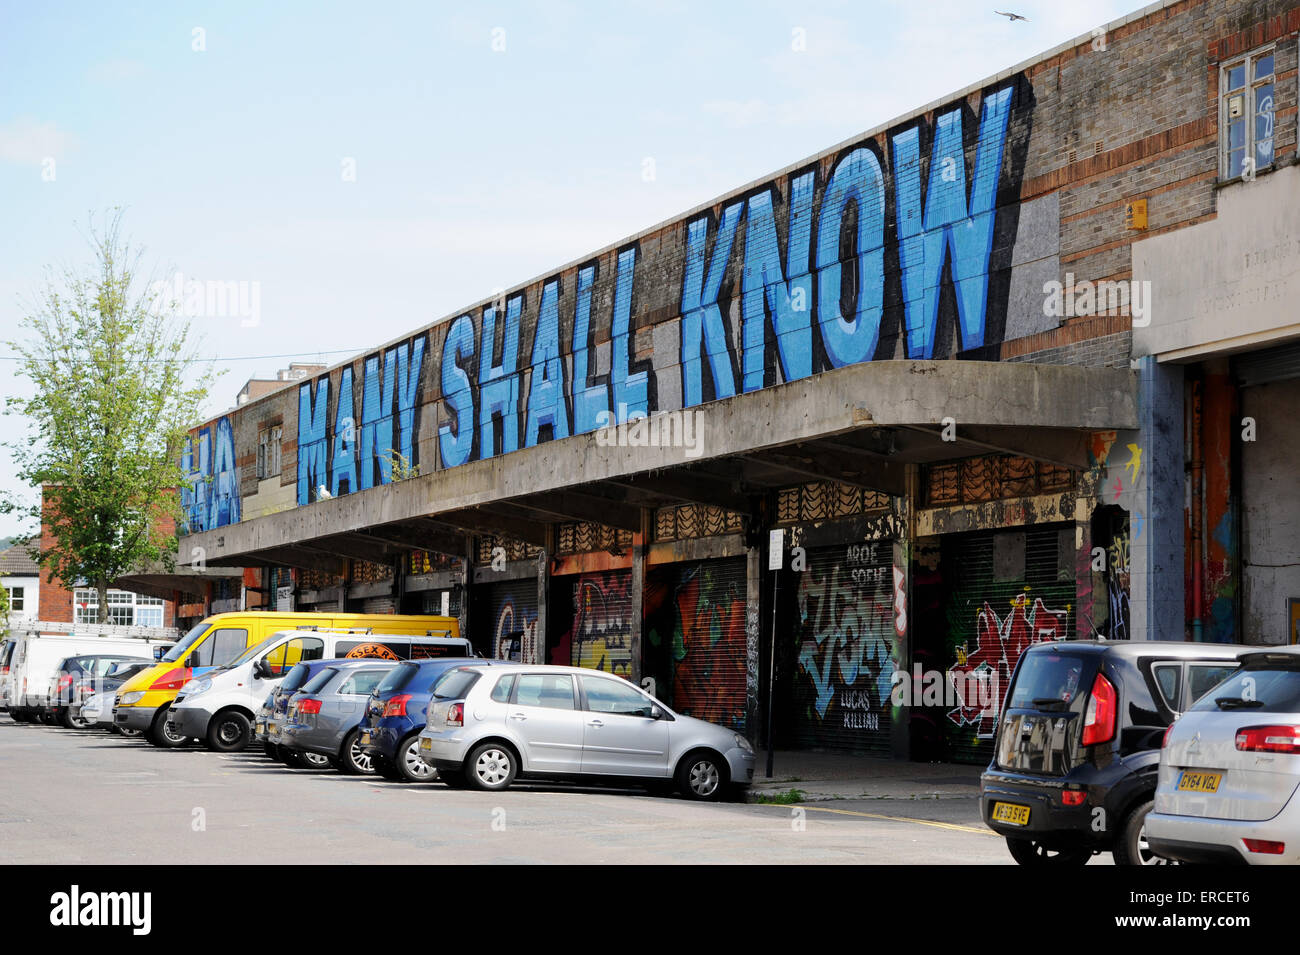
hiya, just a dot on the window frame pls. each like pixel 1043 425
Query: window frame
pixel 1250 84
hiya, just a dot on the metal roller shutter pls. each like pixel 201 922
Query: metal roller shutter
pixel 379 605
pixel 600 614
pixel 844 632
pixel 695 639
pixel 505 619
pixel 1005 590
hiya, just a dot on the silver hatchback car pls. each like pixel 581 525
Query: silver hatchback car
pixel 486 727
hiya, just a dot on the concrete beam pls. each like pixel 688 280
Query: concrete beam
pixel 484 522
pixel 842 401
pixel 418 536
pixel 1063 447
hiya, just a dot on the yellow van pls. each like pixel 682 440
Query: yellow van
pixel 142 701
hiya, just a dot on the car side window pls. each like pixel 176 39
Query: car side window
pixel 501 692
pixel 361 683
pixel 1203 677
pixel 222 647
pixel 553 691
pixel 608 696
pixel 289 654
pixel 1169 678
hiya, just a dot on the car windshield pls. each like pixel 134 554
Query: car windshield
pixel 455 683
pixel 1262 690
pixel 182 648
pixel 395 679
pixel 317 683
pixel 1047 679
pixel 296 678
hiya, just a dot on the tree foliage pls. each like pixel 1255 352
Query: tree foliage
pixel 116 388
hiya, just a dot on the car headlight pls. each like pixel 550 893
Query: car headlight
pixel 195 687
pixel 743 744
pixel 129 699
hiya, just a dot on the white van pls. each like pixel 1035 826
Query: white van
pixel 37 653
pixel 219 706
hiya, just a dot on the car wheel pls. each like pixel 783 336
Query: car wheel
pixel 305 760
pixel 702 776
pixel 352 759
pixel 408 765
pixel 1033 852
pixel 47 718
pixel 490 766
pixel 159 734
pixel 126 732
pixel 72 722
pixel 229 732
pixel 1132 847
pixel 272 751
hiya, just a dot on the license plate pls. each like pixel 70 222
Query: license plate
pixel 1199 782
pixel 426 744
pixel 1010 813
pixel 272 730
pixel 365 739
pixel 261 727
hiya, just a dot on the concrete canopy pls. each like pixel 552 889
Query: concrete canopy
pixel 862 424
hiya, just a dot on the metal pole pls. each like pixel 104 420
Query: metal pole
pixel 771 673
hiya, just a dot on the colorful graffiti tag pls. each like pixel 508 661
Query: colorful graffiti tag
pixel 514 632
pixel 981 674
pixel 601 635
pixel 846 619
pixel 709 649
pixel 210 494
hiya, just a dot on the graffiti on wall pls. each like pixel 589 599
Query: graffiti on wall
pixel 981 674
pixel 1117 587
pixel 210 493
pixel 601 635
pixel 846 620
pixel 709 662
pixel 514 632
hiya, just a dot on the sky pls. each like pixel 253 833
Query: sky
pixel 362 170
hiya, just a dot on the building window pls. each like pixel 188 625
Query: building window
pixel 15 599
pixel 124 608
pixel 268 452
pixel 1246 114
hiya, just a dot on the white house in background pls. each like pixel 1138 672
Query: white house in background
pixel 20 576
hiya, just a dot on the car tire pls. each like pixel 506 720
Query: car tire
pixel 491 767
pixel 702 776
pixel 407 765
pixel 352 760
pixel 126 732
pixel 1131 848
pixel 229 732
pixel 71 722
pixel 47 718
pixel 1032 852
pixel 158 734
pixel 296 760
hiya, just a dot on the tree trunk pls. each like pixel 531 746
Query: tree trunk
pixel 102 586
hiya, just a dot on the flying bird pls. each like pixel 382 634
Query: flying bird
pixel 1013 17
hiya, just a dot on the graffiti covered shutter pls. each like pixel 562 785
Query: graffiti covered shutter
pixel 601 633
pixel 695 639
pixel 505 619
pixel 1008 589
pixel 844 634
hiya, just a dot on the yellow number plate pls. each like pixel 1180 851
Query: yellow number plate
pixel 365 739
pixel 1199 782
pixel 426 744
pixel 1009 812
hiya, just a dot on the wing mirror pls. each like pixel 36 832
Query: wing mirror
pixel 192 661
pixel 656 713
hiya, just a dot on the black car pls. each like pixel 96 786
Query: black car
pixel 78 677
pixel 1077 745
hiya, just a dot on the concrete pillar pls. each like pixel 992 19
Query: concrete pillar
pixel 1156 522
pixel 640 544
pixel 543 594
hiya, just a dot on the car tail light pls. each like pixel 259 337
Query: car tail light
pixel 1265 846
pixel 1073 797
pixel 173 679
pixel 307 707
pixel 1164 740
pixel 1099 720
pixel 1269 739
pixel 65 681
pixel 397 705
pixel 456 714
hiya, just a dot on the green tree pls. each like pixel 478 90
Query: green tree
pixel 4 613
pixel 116 388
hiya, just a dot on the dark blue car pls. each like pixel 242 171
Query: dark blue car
pixel 397 711
pixel 275 710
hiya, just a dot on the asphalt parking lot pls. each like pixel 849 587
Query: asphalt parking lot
pixel 90 797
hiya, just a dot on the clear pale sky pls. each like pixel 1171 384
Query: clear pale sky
pixel 475 167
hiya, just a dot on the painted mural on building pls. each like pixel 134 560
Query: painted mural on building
pixel 982 673
pixel 601 635
pixel 514 631
pixel 210 493
pixel 846 617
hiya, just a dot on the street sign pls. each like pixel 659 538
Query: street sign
pixel 775 549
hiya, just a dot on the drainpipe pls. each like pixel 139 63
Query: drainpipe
pixel 1197 511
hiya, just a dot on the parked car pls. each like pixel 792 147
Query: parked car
pixel 488 726
pixel 324 716
pixel 275 709
pixel 221 638
pixel 1230 768
pixel 396 712
pixel 96 710
pixel 1077 746
pixel 6 655
pixel 36 657
pixel 76 678
pixel 219 707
